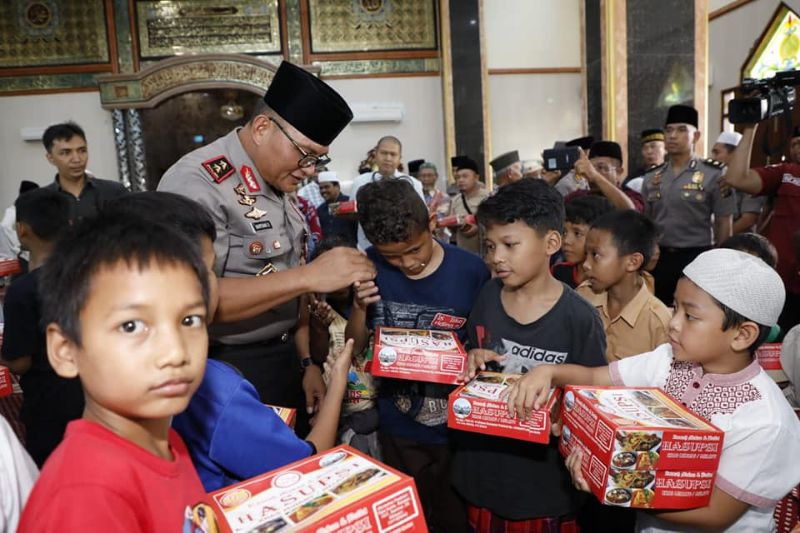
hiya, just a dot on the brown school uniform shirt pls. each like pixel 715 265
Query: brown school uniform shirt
pixel 640 327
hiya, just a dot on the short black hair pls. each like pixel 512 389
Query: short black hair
pixel 329 243
pixel 631 232
pixel 61 132
pixel 103 241
pixel 754 244
pixel 529 200
pixel 190 217
pixel 586 209
pixel 45 211
pixel 390 138
pixel 391 211
pixel 732 319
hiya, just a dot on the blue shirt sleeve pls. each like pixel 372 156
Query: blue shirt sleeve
pixel 230 434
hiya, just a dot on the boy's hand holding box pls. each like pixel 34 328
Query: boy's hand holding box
pixel 418 355
pixel 640 447
pixel 341 490
pixel 480 407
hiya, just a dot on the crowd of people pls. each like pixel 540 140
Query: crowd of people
pixel 153 331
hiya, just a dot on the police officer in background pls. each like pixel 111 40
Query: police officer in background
pixel 653 153
pixel 683 198
pixel 243 179
pixel 507 168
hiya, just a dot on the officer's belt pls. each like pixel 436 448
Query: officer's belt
pixel 218 349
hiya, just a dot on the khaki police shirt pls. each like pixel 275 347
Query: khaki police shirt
pixel 682 204
pixel 256 227
pixel 473 243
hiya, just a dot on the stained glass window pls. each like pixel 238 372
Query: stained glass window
pixel 779 49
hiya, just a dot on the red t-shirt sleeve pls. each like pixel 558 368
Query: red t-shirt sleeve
pixel 82 508
pixel 771 178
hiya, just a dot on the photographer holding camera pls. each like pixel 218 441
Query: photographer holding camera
pixel 782 182
pixel 603 171
pixel 683 198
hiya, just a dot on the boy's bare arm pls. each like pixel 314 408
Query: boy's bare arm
pixel 720 513
pixel 530 392
pixel 323 434
pixel 365 294
pixel 313 385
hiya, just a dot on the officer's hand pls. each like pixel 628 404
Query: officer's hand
pixel 366 293
pixel 338 268
pixel 313 387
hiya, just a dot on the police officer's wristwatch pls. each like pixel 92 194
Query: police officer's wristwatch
pixel 305 362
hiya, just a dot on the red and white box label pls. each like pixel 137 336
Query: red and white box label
pixel 418 354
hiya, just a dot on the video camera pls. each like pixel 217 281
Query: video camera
pixel 771 97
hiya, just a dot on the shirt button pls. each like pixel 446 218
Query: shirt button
pixel 696 385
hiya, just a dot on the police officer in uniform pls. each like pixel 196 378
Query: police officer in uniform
pixel 683 198
pixel 243 179
pixel 653 152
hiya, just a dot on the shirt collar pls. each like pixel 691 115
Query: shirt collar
pixel 737 378
pixel 630 312
pixel 88 181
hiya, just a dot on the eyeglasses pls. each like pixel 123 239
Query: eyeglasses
pixel 604 168
pixel 308 160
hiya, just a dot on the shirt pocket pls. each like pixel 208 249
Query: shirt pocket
pixel 248 254
pixel 694 196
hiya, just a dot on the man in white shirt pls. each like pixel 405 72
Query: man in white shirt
pixel 388 154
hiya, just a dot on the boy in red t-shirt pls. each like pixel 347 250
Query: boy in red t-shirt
pixel 125 303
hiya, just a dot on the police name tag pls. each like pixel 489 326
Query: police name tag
pixel 261 225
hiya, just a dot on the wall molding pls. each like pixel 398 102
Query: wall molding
pixel 544 70
pixel 733 6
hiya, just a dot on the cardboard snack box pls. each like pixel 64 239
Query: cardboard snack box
pixel 287 414
pixel 341 490
pixel 642 489
pixel 646 422
pixel 9 267
pixel 418 354
pixel 479 407
pixel 347 207
pixel 769 357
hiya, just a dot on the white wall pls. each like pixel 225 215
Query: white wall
pixel 730 39
pixel 26 160
pixel 529 111
pixel 421 130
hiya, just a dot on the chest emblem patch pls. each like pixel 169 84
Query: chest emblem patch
pixel 255 213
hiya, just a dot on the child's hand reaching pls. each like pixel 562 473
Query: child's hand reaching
pixel 322 311
pixel 574 461
pixel 530 392
pixel 476 361
pixel 366 292
pixel 338 363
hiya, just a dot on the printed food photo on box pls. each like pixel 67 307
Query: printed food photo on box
pixel 480 407
pixel 640 447
pixel 418 354
pixel 341 490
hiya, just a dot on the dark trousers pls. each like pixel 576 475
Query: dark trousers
pixel 429 465
pixel 669 269
pixel 274 370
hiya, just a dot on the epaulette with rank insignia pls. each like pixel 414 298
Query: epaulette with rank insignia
pixel 655 166
pixel 714 163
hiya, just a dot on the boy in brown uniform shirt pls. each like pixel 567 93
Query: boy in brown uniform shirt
pixel 618 246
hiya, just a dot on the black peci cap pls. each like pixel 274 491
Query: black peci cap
pixel 682 114
pixel 606 149
pixel 504 160
pixel 584 142
pixel 655 134
pixel 308 103
pixel 461 161
pixel 413 166
pixel 25 186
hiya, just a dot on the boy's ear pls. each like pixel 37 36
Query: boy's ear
pixel 432 222
pixel 22 230
pixel 633 262
pixel 61 352
pixel 746 335
pixel 552 242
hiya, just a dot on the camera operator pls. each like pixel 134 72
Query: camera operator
pixel 782 182
pixel 683 197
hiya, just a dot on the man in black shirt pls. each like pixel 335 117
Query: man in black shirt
pixel 67 151
pixel 333 226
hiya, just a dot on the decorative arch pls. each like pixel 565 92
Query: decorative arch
pixel 778 48
pixel 126 95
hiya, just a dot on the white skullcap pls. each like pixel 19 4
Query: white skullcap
pixel 740 281
pixel 327 175
pixel 729 137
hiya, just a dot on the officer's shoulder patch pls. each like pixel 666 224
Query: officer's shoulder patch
pixel 714 163
pixel 219 168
